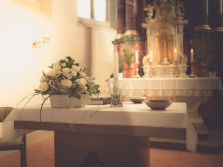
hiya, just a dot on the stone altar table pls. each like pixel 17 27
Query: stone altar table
pixel 189 90
pixel 118 135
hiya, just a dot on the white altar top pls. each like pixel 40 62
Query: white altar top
pixel 170 86
pixel 135 115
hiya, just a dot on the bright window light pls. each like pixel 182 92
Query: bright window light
pixel 83 8
pixel 100 10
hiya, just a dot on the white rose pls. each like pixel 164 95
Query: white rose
pixel 75 68
pixel 74 73
pixel 66 71
pixel 82 74
pixel 43 78
pixel 43 86
pixel 66 83
pixel 57 67
pixel 81 82
pixel 52 73
pixel 59 72
pixel 84 89
pixel 83 68
pixel 57 62
pixel 63 64
pixel 69 76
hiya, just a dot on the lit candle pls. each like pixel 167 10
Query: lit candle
pixel 115 71
pixel 137 56
pixel 150 56
pixel 192 55
pixel 175 54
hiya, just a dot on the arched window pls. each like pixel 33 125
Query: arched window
pixel 84 8
pixel 92 9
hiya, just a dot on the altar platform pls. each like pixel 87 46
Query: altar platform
pixel 118 135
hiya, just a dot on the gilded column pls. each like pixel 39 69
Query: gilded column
pixel 205 14
pixel 120 17
pixel 220 16
pixel 131 14
pixel 140 18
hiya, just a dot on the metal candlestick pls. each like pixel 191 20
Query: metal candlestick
pixel 192 75
pixel 137 71
pixel 176 74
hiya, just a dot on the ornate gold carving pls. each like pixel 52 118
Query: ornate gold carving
pixel 118 36
pixel 219 29
pixel 204 27
pixel 149 10
pixel 192 74
pixel 131 32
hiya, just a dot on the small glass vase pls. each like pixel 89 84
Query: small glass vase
pixel 116 94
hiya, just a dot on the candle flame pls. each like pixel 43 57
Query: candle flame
pixel 192 51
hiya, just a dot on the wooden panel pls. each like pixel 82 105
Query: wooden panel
pixel 72 150
pixel 103 129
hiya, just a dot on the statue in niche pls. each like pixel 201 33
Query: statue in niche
pixel 164 49
pixel 149 9
pixel 180 9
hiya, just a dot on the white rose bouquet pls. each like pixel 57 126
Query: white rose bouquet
pixel 67 77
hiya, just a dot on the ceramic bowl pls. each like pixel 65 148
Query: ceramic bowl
pixel 158 104
pixel 136 99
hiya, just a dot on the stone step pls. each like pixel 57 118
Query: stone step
pixel 213 143
pixel 199 125
pixel 202 130
pixel 168 143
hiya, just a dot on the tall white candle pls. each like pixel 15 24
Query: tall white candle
pixel 192 55
pixel 175 54
pixel 137 56
pixel 116 70
pixel 150 56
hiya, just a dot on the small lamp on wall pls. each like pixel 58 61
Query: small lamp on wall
pixel 41 42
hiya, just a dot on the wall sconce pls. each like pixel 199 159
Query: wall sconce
pixel 41 42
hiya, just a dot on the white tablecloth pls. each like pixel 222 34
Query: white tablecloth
pixel 170 86
pixel 174 116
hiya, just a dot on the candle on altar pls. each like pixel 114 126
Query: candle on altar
pixel 175 54
pixel 150 56
pixel 115 70
pixel 137 56
pixel 192 55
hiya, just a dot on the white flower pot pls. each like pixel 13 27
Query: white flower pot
pixel 59 101
pixel 76 103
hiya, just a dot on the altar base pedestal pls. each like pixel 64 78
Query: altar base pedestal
pixel 72 150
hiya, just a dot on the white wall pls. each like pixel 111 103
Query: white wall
pixel 21 65
pixel 102 56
